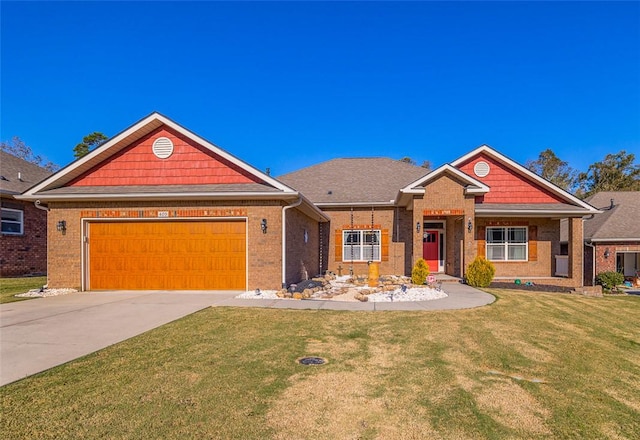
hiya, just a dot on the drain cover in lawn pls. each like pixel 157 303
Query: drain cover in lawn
pixel 312 360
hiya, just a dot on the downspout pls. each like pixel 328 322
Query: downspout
pixel 284 240
pixel 38 205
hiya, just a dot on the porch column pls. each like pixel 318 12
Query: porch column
pixel 417 235
pixel 469 252
pixel 576 250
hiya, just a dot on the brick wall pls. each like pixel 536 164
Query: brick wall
pixel 302 257
pixel 547 243
pixel 604 264
pixel 396 222
pixel 264 250
pixel 25 254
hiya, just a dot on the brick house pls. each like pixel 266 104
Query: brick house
pixel 612 239
pixel 158 207
pixel 23 232
pixel 481 204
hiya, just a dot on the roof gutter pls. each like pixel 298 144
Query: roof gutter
pixel 604 240
pixel 284 240
pixel 162 196
pixel 528 213
pixel 367 204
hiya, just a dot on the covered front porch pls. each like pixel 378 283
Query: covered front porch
pixel 441 239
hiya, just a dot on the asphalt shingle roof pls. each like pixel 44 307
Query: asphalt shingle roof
pixel 620 222
pixel 357 180
pixel 10 166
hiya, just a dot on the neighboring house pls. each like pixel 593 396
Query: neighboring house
pixel 612 239
pixel 23 228
pixel 481 204
pixel 158 207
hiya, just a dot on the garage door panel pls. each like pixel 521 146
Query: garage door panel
pixel 188 255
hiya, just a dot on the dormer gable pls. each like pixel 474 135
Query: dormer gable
pixel 510 182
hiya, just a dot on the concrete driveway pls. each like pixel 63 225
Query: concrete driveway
pixel 39 334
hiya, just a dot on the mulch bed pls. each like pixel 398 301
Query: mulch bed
pixel 532 288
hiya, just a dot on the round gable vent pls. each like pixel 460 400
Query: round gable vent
pixel 481 169
pixel 163 147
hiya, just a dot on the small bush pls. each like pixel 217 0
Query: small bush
pixel 480 272
pixel 420 272
pixel 609 280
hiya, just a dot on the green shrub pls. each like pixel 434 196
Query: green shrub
pixel 480 272
pixel 420 272
pixel 609 280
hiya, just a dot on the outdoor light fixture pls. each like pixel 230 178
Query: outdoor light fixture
pixel 418 227
pixel 469 225
pixel 263 225
pixel 61 226
pixel 606 253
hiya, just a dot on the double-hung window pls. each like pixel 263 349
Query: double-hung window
pixel 12 221
pixel 507 244
pixel 361 245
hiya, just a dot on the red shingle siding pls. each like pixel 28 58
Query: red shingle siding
pixel 506 186
pixel 190 163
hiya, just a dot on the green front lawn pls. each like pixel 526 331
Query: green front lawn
pixel 11 286
pixel 530 366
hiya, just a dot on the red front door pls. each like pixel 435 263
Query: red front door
pixel 430 247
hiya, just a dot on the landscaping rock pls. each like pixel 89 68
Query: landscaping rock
pixel 306 284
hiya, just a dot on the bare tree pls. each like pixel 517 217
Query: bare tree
pixel 18 148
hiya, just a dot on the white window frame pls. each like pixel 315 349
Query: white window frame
pixel 362 249
pixel 506 245
pixel 19 222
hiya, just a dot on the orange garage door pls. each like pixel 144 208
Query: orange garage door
pixel 167 255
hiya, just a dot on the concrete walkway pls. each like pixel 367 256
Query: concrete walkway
pixel 39 334
pixel 460 296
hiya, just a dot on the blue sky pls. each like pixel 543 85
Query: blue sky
pixel 286 85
